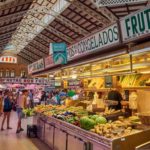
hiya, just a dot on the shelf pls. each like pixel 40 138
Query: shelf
pixel 137 87
pixel 104 89
pixel 107 89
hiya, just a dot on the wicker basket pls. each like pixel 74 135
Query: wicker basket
pixel 145 118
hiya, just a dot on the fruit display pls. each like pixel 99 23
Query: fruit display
pixel 68 117
pixel 96 123
pixel 134 119
pixel 44 108
pixel 109 112
pixel 113 129
pixel 88 122
pixel 28 112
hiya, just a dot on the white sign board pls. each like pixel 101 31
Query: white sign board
pixel 96 42
pixel 36 66
pixel 136 25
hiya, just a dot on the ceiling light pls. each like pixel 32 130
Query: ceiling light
pixel 145 72
pixel 140 51
pixel 74 76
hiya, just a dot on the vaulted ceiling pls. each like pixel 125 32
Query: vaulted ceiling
pixel 79 19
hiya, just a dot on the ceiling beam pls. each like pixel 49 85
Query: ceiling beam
pixel 32 49
pixel 53 30
pixel 39 45
pixel 34 53
pixel 29 56
pixel 14 3
pixel 9 26
pixel 82 17
pixel 89 11
pixel 57 21
pixel 4 40
pixel 15 15
pixel 64 20
pixel 59 37
pixel 103 10
pixel 25 58
pixel 36 48
pixel 41 41
pixel 6 33
pixel 5 36
pixel 45 38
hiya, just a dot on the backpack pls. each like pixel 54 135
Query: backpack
pixel 7 104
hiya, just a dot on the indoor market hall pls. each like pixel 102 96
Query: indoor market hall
pixel 74 74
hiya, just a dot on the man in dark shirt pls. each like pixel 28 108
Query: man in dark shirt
pixel 116 96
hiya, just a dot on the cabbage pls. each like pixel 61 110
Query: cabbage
pixel 101 120
pixel 87 123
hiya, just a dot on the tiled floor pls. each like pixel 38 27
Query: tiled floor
pixel 9 140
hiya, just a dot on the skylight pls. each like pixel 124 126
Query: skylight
pixel 28 29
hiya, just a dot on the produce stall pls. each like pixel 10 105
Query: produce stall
pixel 66 134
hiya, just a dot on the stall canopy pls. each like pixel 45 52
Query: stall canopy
pixel 32 25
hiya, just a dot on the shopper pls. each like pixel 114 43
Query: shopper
pixel 31 94
pixel 43 98
pixel 21 104
pixel 1 103
pixel 7 107
pixel 58 99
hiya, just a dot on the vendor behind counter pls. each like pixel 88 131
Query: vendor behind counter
pixel 116 96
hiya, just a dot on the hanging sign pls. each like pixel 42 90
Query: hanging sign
pixel 8 59
pixel 136 25
pixel 36 66
pixel 49 62
pixel 74 83
pixel 59 53
pixel 96 42
pixel 27 81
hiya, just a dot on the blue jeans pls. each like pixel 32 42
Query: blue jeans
pixel 20 113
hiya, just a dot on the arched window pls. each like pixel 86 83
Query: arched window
pixel 7 73
pixel 12 73
pixel 23 74
pixel 1 73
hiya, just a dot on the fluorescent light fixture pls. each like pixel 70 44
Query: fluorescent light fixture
pixel 51 75
pixel 140 51
pixel 74 76
pixel 145 72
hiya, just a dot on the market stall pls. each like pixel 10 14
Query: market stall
pixel 62 133
pixel 116 56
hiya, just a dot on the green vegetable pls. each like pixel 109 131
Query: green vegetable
pixel 87 123
pixel 94 117
pixel 101 120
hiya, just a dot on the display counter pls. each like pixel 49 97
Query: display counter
pixel 60 135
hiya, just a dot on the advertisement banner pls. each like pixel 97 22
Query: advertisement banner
pixel 8 59
pixel 59 53
pixel 36 66
pixel 49 61
pixel 27 81
pixel 96 42
pixel 136 25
